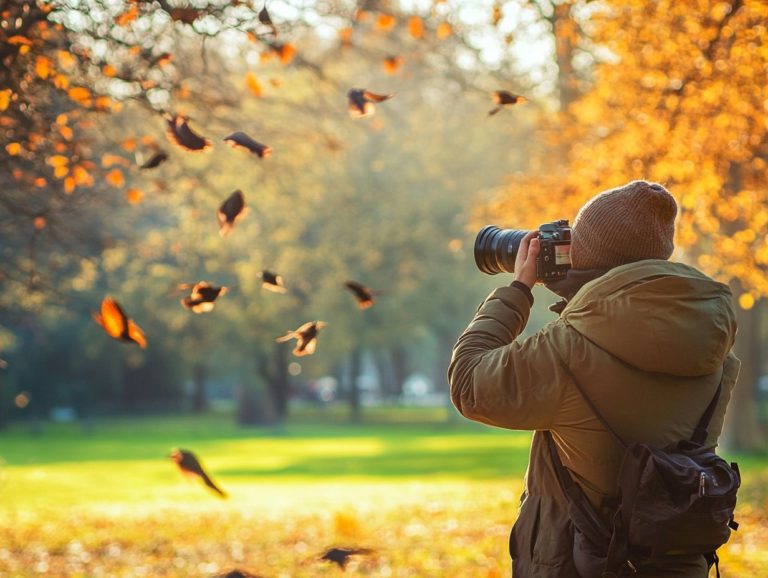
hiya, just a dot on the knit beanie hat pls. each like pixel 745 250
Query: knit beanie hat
pixel 624 225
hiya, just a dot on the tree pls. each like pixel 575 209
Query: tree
pixel 677 99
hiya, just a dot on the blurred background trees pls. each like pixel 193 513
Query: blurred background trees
pixel 618 91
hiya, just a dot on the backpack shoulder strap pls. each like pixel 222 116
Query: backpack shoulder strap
pixel 700 433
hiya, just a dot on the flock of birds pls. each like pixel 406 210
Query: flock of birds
pixel 202 296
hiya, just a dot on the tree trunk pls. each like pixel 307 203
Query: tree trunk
pixel 199 393
pixel 743 431
pixel 356 364
pixel 400 366
pixel 278 382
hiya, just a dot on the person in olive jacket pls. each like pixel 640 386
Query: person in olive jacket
pixel 647 338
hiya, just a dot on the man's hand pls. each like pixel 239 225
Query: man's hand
pixel 525 262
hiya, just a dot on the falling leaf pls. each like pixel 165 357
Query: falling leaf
pixel 40 182
pixel 69 185
pixel 746 301
pixel 61 82
pixel 134 196
pixel 180 133
pixel 241 140
pixel 361 101
pixel 504 98
pixel 57 160
pixel 39 223
pixel 13 148
pixel 117 325
pixel 115 178
pixel 230 212
pixel 66 59
pixel 109 160
pixel 253 84
pixel 129 144
pixel 109 70
pixel 82 176
pixel 416 27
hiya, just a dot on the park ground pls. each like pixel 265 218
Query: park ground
pixel 431 497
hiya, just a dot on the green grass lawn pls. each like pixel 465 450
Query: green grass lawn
pixel 436 498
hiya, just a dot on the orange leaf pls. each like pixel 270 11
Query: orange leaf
pixel 60 172
pixel 69 185
pixel 61 82
pixel 80 95
pixel 416 27
pixel 129 144
pixel 40 182
pixel 43 66
pixel 444 30
pixel 103 103
pixel 108 160
pixel 66 60
pixel 115 178
pixel 66 132
pixel 23 49
pixel 82 176
pixel 13 148
pixel 109 70
pixel 58 161
pixel 39 222
pixel 253 84
pixel 386 22
pixel 286 53
pixel 345 36
pixel 128 16
pixel 19 40
pixel 5 99
pixel 134 196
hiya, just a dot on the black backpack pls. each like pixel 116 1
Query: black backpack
pixel 675 500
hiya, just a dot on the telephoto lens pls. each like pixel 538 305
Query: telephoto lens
pixel 496 249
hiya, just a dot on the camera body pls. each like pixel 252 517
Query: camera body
pixel 496 250
pixel 554 258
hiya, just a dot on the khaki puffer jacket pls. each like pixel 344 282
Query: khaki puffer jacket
pixel 649 341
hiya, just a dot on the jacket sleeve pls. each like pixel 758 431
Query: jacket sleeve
pixel 501 382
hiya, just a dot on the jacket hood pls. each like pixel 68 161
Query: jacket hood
pixel 657 316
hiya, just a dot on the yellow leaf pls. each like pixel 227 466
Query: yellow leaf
pixel 13 148
pixel 115 178
pixel 416 27
pixel 385 22
pixel 82 176
pixel 5 99
pixel 253 84
pixel 134 196
pixel 58 161
pixel 61 172
pixel 66 60
pixel 43 66
pixel 61 82
pixel 80 95
pixel 23 49
pixel 128 16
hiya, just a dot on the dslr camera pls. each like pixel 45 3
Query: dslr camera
pixel 496 250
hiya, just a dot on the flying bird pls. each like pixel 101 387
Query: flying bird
pixel 180 133
pixel 272 281
pixel 504 98
pixel 341 556
pixel 155 160
pixel 363 294
pixel 230 212
pixel 240 139
pixel 203 297
pixel 117 325
pixel 305 336
pixel 361 102
pixel 190 466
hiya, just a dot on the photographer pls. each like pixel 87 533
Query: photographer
pixel 646 340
